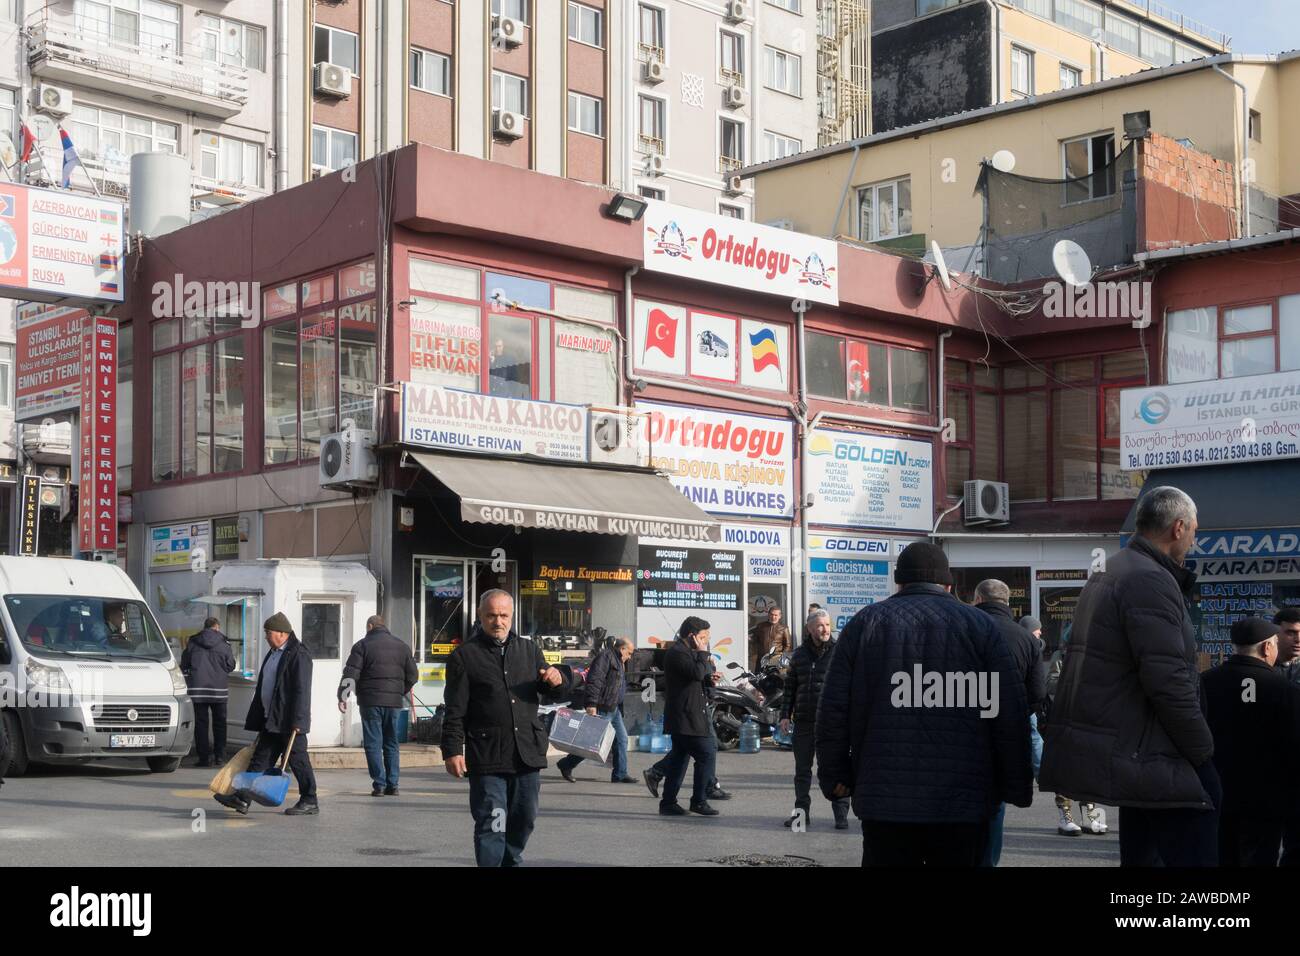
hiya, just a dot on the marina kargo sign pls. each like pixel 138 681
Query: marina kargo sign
pixel 437 417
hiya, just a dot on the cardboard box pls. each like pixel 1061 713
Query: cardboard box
pixel 581 734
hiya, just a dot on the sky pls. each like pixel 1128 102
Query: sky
pixel 1256 26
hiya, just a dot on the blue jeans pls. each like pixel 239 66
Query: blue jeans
pixel 504 807
pixel 1035 744
pixel 618 752
pixel 705 752
pixel 993 849
pixel 379 735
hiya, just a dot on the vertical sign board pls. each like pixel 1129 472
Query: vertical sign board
pixel 97 516
pixel 29 519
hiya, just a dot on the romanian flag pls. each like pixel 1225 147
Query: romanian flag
pixel 762 345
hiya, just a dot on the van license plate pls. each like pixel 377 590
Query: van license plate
pixel 131 740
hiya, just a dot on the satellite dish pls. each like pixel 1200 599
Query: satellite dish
pixel 1072 263
pixel 1004 160
pixel 941 265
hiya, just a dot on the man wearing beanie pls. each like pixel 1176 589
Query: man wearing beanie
pixel 925 770
pixel 1254 714
pixel 281 714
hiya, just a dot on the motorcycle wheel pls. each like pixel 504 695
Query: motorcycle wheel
pixel 726 731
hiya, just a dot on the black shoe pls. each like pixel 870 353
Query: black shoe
pixel 717 793
pixel 652 781
pixel 233 801
pixel 376 791
pixel 205 762
pixel 841 823
pixel 391 791
pixel 672 810
pixel 305 807
pixel 566 772
pixel 703 809
pixel 788 822
pixel 623 779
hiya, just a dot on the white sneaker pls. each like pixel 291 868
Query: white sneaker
pixel 1096 819
pixel 1067 826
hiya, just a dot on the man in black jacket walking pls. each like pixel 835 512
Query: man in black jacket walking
pixel 688 670
pixel 491 731
pixel 281 712
pixel 1126 727
pixel 923 721
pixel 206 663
pixel 606 683
pixel 803 692
pixel 993 597
pixel 382 671
pixel 1254 714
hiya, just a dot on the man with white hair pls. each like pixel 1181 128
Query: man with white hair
pixel 491 732
pixel 803 692
pixel 1126 727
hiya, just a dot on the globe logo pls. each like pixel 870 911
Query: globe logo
pixel 8 243
pixel 1154 408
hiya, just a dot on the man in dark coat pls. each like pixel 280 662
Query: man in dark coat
pixel 770 636
pixel 923 721
pixel 603 697
pixel 382 671
pixel 1126 727
pixel 206 663
pixel 993 597
pixel 1254 714
pixel 491 731
pixel 280 713
pixel 688 670
pixel 1288 662
pixel 803 691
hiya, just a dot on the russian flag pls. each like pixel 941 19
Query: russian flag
pixel 70 158
pixel 762 347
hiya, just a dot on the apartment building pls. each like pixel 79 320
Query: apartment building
pixel 933 58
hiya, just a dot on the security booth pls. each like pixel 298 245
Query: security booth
pixel 327 602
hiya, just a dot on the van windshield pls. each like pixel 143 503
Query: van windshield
pixel 88 627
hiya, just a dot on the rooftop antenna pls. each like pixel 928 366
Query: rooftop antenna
pixel 941 266
pixel 1004 161
pixel 1072 263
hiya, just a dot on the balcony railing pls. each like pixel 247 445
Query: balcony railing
pixel 731 77
pixel 650 144
pixel 647 51
pixel 1064 12
pixel 729 164
pixel 185 72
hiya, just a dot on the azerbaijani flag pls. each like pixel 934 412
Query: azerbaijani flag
pixel 762 346
pixel 70 158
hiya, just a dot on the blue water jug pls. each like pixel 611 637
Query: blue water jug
pixel 661 744
pixel 783 739
pixel 749 740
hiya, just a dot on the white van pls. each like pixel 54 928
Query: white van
pixel 85 671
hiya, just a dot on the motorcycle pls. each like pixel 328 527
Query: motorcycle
pixel 757 696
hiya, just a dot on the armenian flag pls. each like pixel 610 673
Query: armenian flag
pixel 762 345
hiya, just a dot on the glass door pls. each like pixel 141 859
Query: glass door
pixel 447 594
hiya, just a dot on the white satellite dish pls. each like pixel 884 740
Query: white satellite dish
pixel 1072 263
pixel 1004 160
pixel 941 265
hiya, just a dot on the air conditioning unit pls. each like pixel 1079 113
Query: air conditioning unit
pixel 654 71
pixel 733 185
pixel 654 165
pixel 332 80
pixel 507 30
pixel 781 224
pixel 617 436
pixel 51 100
pixel 987 502
pixel 737 11
pixel 736 97
pixel 507 124
pixel 347 459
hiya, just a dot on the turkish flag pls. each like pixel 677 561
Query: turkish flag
pixel 661 333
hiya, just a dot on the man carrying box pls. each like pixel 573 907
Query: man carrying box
pixel 606 683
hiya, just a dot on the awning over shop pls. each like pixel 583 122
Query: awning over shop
pixel 530 494
pixel 1258 494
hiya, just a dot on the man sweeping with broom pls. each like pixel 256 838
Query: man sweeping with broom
pixel 281 716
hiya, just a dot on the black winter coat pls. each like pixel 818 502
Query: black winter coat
pixel 606 679
pixel 291 697
pixel 803 683
pixel 687 673
pixel 1256 742
pixel 1126 726
pixel 1026 650
pixel 923 764
pixel 206 663
pixel 381 668
pixel 491 697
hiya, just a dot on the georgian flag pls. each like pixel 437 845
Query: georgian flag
pixel 70 158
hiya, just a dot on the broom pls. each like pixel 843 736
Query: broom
pixel 224 782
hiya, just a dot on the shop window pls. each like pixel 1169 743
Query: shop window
pixel 985 435
pixel 510 356
pixel 1074 444
pixel 321 628
pixel 825 361
pixel 909 378
pixel 1233 341
pixel 280 392
pixel 1025 441
pixel 868 372
pixel 166 418
pixel 319 375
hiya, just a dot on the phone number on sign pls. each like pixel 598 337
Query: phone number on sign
pixel 1215 454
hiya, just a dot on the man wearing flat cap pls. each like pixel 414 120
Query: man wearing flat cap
pixel 1254 714
pixel 281 711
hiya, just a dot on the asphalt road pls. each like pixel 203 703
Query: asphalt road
pixel 113 814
